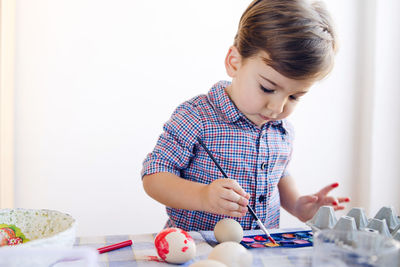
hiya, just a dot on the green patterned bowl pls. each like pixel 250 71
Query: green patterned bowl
pixel 37 228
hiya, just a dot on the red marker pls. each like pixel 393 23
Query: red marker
pixel 115 246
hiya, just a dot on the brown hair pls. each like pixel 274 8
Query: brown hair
pixel 297 36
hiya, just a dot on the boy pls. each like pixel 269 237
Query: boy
pixel 281 48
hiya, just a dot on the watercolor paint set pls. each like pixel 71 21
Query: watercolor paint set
pixel 283 240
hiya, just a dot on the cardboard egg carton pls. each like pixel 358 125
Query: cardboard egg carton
pixel 386 222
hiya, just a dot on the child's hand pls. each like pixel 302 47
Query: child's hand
pixel 225 196
pixel 307 206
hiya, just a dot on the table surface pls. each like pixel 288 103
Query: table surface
pixel 143 252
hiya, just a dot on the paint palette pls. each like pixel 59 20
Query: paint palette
pixel 286 240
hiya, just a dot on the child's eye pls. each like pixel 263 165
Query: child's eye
pixel 295 97
pixel 266 90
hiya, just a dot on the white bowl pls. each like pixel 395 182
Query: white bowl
pixel 43 228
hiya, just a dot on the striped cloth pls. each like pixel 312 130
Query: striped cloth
pixel 255 157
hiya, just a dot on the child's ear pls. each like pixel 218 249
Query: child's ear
pixel 232 61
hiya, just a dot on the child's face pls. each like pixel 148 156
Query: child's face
pixel 259 92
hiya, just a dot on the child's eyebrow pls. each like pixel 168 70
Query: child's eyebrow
pixel 300 94
pixel 268 80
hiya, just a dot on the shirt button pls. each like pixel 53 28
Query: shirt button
pixel 261 198
pixel 263 166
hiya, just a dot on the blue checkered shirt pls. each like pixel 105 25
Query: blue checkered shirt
pixel 255 157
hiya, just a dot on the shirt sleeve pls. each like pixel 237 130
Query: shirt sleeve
pixel 174 148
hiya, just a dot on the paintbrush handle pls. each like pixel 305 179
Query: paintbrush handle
pixel 260 224
pixel 212 157
pixel 252 212
pixel 223 173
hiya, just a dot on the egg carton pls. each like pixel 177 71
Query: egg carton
pixel 386 222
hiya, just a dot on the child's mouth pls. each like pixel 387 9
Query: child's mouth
pixel 265 118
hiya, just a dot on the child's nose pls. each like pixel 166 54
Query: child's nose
pixel 275 106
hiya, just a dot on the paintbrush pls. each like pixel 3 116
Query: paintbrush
pixel 258 221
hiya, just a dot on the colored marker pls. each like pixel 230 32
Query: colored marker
pixel 114 246
pixel 258 221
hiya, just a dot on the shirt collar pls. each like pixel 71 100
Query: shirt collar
pixel 223 105
pixel 221 102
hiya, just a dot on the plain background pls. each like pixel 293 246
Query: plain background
pixel 96 80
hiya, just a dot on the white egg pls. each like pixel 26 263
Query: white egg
pixel 228 230
pixel 175 245
pixel 208 263
pixel 232 254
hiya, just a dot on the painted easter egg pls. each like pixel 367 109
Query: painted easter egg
pixel 207 263
pixel 231 254
pixel 228 230
pixel 175 245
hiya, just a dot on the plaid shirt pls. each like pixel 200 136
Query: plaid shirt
pixel 255 157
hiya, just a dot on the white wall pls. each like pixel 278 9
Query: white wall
pixel 96 80
pixel 385 164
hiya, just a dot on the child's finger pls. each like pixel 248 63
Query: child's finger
pixel 309 199
pixel 234 185
pixel 330 201
pixel 232 207
pixel 343 199
pixel 338 208
pixel 324 191
pixel 243 201
pixel 232 196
